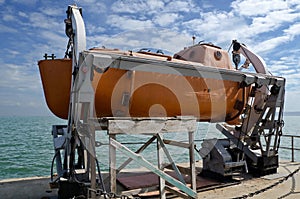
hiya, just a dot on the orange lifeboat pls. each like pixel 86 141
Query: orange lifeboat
pixel 135 93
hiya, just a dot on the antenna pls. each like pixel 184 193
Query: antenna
pixel 193 39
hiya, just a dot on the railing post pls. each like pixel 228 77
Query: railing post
pixel 292 148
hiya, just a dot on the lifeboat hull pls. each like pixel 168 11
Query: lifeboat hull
pixel 56 78
pixel 123 93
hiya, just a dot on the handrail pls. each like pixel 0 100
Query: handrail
pixel 292 148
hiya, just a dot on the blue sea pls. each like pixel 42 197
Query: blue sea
pixel 27 148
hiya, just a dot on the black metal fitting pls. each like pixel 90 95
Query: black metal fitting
pixel 275 90
pixel 52 56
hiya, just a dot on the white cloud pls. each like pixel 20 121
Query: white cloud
pixel 293 76
pixel 50 11
pixel 97 8
pixel 19 77
pixel 257 7
pixel 154 4
pixel 137 6
pixel 53 37
pixel 23 14
pixel 217 27
pixel 165 39
pixel 207 4
pixel 11 52
pixel 181 6
pixel 166 19
pixel 293 30
pixel 4 28
pixel 276 68
pixel 8 17
pixel 289 71
pixel 126 23
pixel 40 20
pixel 263 18
pixel 93 29
pixel 270 22
pixel 270 44
pixel 292 100
pixel 153 7
pixel 26 2
pixel 289 57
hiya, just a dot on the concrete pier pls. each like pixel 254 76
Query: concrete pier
pixel 29 188
pixel 288 189
pixel 278 185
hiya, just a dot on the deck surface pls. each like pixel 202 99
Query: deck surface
pixel 37 187
pixel 288 189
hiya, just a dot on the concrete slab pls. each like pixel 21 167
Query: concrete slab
pixel 37 187
pixel 32 187
pixel 289 188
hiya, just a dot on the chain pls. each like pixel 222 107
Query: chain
pixel 292 188
pixel 269 187
pixel 99 192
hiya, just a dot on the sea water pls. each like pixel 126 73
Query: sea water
pixel 26 145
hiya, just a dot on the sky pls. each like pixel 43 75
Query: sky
pixel 31 28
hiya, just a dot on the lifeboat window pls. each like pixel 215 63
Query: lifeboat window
pixel 218 55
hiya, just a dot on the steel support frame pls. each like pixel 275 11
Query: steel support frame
pixel 114 145
pixel 268 126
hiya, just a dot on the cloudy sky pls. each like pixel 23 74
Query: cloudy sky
pixel 30 28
